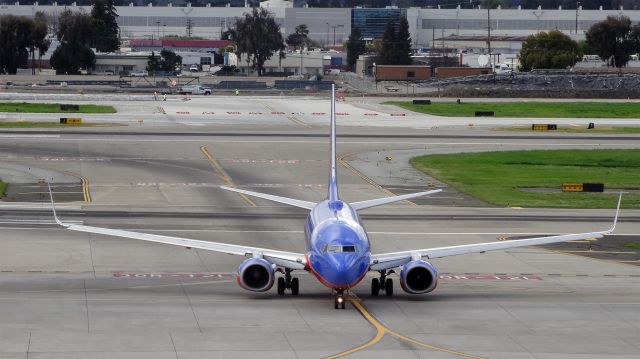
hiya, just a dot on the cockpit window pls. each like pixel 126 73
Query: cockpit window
pixel 340 248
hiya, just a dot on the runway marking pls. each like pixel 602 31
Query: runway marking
pixel 222 174
pixel 85 186
pixel 381 331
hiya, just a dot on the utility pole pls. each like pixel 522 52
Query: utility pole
pixel 489 33
pixel 334 33
pixel 577 7
pixel 327 42
pixel 158 29
pixel 444 60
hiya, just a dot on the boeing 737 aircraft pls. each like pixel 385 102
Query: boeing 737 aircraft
pixel 338 251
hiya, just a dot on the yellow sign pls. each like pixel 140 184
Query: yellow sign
pixel 571 187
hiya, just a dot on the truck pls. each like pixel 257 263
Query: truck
pixel 195 90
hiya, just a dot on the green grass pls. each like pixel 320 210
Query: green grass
pixel 3 188
pixel 51 108
pixel 528 109
pixel 496 177
pixel 581 129
pixel 633 245
pixel 38 124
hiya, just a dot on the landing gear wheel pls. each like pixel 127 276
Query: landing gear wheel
pixel 375 287
pixel 388 287
pixel 295 286
pixel 281 286
pixel 339 301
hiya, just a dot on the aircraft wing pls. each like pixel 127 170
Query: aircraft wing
pixel 397 259
pixel 285 259
pixel 380 201
pixel 270 197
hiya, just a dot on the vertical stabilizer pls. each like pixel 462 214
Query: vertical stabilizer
pixel 333 178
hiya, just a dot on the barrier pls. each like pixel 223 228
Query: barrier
pixel 571 187
pixel 70 120
pixel 544 127
pixel 422 102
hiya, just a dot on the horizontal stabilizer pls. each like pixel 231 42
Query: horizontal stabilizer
pixel 380 201
pixel 285 200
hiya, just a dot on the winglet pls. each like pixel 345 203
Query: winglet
pixel 53 207
pixel 615 219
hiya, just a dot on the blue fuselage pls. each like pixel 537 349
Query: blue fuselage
pixel 338 250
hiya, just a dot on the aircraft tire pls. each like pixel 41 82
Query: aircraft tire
pixel 281 286
pixel 388 287
pixel 375 287
pixel 295 286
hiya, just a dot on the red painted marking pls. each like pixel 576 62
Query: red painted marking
pixel 183 112
pixel 397 114
pixel 371 114
pixel 318 113
pixel 220 276
pixel 488 277
pixel 277 113
pixel 255 113
pixel 342 114
pixel 233 112
pixel 208 113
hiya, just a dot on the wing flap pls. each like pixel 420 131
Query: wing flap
pixel 396 259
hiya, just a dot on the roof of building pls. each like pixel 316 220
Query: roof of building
pixel 180 43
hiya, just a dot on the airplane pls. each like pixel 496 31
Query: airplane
pixel 338 250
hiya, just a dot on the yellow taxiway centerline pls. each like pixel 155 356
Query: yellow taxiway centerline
pixel 222 174
pixel 381 330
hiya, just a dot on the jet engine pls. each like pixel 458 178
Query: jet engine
pixel 418 277
pixel 256 275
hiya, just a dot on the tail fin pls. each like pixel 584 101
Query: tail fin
pixel 333 177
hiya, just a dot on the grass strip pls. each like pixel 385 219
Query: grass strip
pixel 3 189
pixel 528 109
pixel 496 177
pixel 633 245
pixel 24 107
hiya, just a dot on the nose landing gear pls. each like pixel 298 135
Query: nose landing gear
pixel 288 282
pixel 339 300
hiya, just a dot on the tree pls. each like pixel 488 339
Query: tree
pixel 258 36
pixel 403 43
pixel 153 65
pixel 387 53
pixel 300 37
pixel 614 40
pixel 75 34
pixel 105 25
pixel 549 50
pixel 15 38
pixel 38 38
pixel 170 61
pixel 396 46
pixel 355 46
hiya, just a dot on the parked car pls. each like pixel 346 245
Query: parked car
pixel 194 68
pixel 141 73
pixel 195 90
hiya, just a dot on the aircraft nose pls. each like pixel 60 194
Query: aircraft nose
pixel 346 273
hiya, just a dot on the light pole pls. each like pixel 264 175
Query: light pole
pixel 334 33
pixel 158 29
pixel 577 8
pixel 327 42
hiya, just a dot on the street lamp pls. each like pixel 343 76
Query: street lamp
pixel 327 42
pixel 334 33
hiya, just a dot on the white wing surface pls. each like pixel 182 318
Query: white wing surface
pixel 396 259
pixel 285 259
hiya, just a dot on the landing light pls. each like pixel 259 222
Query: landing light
pixel 340 299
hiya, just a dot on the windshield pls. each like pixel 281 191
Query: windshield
pixel 339 248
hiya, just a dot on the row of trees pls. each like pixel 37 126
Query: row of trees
pixel 614 40
pixel 77 33
pixel 20 37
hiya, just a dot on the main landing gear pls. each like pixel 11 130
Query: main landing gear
pixel 288 283
pixel 339 300
pixel 382 283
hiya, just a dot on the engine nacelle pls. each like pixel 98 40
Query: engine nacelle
pixel 256 275
pixel 418 277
